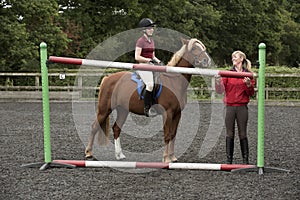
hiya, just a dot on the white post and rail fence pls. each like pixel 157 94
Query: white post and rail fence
pixel 10 90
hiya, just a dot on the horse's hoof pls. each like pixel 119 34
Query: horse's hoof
pixel 152 112
pixel 120 156
pixel 89 157
pixel 166 160
pixel 173 159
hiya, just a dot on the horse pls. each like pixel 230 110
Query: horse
pixel 118 92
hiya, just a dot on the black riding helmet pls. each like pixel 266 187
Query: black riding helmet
pixel 146 22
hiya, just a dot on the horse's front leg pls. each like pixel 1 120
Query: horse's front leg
pixel 175 123
pixel 166 157
pixel 167 133
pixel 172 156
pixel 169 155
pixel 170 135
pixel 121 117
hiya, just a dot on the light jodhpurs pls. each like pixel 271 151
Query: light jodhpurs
pixel 147 78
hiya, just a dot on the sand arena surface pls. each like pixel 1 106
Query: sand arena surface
pixel 21 138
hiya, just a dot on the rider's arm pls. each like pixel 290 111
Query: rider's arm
pixel 155 59
pixel 138 56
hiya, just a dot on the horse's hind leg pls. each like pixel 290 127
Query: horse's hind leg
pixel 121 118
pixel 88 149
pixel 100 122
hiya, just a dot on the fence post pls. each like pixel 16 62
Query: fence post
pixel 37 82
pixel 213 86
pixel 80 86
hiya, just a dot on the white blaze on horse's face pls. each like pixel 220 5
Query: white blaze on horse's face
pixel 201 57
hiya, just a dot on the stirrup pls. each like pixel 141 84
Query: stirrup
pixel 150 112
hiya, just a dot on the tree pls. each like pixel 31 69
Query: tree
pixel 96 20
pixel 75 27
pixel 196 19
pixel 291 35
pixel 15 46
pixel 27 24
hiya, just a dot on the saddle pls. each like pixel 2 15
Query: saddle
pixel 141 87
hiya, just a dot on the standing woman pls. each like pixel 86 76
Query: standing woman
pixel 236 98
pixel 145 53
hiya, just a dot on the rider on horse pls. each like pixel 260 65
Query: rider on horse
pixel 145 53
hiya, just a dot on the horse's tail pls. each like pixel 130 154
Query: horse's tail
pixel 103 132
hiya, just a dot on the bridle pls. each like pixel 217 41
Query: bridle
pixel 200 63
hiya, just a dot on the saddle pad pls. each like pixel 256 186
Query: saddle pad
pixel 141 86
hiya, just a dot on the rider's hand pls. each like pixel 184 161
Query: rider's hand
pixel 154 62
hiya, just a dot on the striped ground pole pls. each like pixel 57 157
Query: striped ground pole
pixel 157 165
pixel 147 67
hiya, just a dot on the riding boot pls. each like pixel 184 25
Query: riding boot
pixel 229 149
pixel 245 150
pixel 147 102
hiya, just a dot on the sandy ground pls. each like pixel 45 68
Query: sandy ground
pixel 21 138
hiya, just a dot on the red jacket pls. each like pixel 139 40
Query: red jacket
pixel 236 91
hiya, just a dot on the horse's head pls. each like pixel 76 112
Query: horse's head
pixel 192 54
pixel 196 54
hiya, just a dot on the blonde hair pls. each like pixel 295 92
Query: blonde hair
pixel 246 62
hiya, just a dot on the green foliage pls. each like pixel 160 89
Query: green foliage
pixel 14 37
pixel 26 24
pixel 281 70
pixel 75 27
pixel 88 23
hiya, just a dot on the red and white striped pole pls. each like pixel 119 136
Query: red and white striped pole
pixel 157 165
pixel 147 67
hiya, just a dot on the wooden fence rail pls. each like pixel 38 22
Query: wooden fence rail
pixel 9 90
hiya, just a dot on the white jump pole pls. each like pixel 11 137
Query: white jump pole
pixel 147 67
pixel 156 165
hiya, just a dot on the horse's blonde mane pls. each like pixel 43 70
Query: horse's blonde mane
pixel 179 54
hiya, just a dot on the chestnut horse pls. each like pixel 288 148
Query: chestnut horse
pixel 118 91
